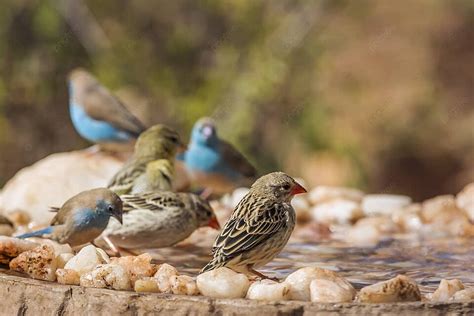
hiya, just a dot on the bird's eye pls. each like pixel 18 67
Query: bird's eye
pixel 111 208
pixel 286 186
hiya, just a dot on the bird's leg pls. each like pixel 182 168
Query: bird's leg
pixel 261 275
pixel 206 193
pixel 115 250
pixel 93 150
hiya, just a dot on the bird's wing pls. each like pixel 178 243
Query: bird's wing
pixel 236 160
pixel 243 233
pixel 154 201
pixel 100 104
pixel 124 180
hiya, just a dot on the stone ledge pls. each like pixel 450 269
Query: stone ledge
pixel 23 296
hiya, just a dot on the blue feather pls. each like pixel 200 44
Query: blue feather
pixel 95 130
pixel 38 233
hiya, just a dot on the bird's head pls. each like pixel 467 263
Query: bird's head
pixel 204 213
pixel 158 142
pixel 108 202
pixel 278 186
pixel 80 80
pixel 204 131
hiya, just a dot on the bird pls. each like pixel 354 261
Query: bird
pixel 159 219
pixel 151 167
pixel 97 115
pixel 259 226
pixel 82 218
pixel 214 163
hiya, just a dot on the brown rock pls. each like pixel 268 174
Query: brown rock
pixel 399 289
pixel 39 263
pixel 11 247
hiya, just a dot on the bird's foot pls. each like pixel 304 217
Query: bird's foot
pixel 93 150
pixel 263 276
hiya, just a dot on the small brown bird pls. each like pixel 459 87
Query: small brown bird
pixel 259 227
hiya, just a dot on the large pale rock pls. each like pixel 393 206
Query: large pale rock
pixel 53 180
pixel 137 267
pixel 39 263
pixel 11 247
pixel 109 275
pixel 299 283
pixel 384 204
pixel 337 212
pixel 465 200
pixel 370 230
pixel 399 289
pixel 87 259
pixel 268 290
pixel 445 290
pixel 321 194
pixel 223 283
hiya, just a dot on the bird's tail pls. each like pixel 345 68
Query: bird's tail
pixel 212 265
pixel 37 233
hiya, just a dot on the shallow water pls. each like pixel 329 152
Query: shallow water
pixel 426 261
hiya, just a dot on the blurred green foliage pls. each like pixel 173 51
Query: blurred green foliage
pixel 366 93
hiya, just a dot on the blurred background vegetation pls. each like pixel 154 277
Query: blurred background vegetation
pixel 375 94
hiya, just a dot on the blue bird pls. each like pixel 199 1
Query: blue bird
pixel 82 218
pixel 214 163
pixel 97 115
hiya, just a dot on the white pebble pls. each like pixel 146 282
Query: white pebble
pixel 464 295
pixel 163 276
pixel 331 291
pixel 268 290
pixel 62 259
pixel 384 204
pixel 337 212
pixel 321 194
pixel 465 200
pixel 223 283
pixel 299 282
pixel 106 276
pixel 87 259
pixel 148 284
pixel 137 267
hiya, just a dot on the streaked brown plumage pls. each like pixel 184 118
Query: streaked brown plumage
pixel 259 227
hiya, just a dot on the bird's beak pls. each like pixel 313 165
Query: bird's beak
pixel 214 223
pixel 118 217
pixel 297 189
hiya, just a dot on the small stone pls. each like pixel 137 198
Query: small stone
pixel 299 282
pixel 446 289
pixel 58 248
pixel 464 295
pixel 321 194
pixel 147 284
pixel 62 259
pixel 337 212
pixel 11 247
pixel 39 263
pixel 87 259
pixel 302 208
pixel 163 276
pixel 223 283
pixel 137 267
pixel 111 276
pixel 363 236
pixel 268 290
pixel 408 218
pixel 384 204
pixel 331 291
pixel 441 208
pixel 465 200
pixel 183 285
pixel 399 289
pixel 66 276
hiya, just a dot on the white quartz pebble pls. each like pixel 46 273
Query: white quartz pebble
pixel 183 285
pixel 331 291
pixel 445 290
pixel 384 204
pixel 337 212
pixel 87 259
pixel 163 277
pixel 223 283
pixel 268 290
pixel 109 275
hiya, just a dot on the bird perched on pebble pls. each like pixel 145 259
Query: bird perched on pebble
pixel 214 163
pixel 97 114
pixel 259 226
pixel 151 167
pixel 159 219
pixel 82 218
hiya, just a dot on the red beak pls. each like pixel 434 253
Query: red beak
pixel 297 189
pixel 214 223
